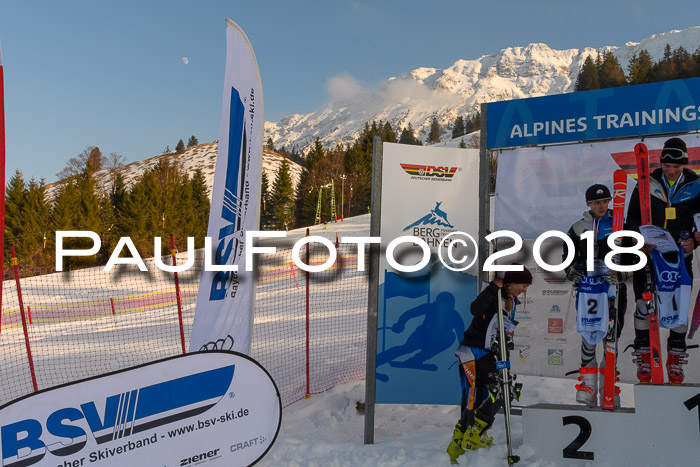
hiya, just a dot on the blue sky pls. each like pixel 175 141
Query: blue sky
pixel 111 73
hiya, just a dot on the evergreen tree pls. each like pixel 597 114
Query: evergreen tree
pixel 462 144
pixel 683 63
pixel 588 77
pixel 434 134
pixel 38 224
pixel 64 215
pixel 665 69
pixel 180 215
pixel 265 207
pixel 201 206
pixel 166 150
pixel 408 136
pixel 173 202
pixel 639 68
pixel 307 190
pixel 610 73
pixel 315 154
pixel 192 141
pixel 282 200
pixel 696 62
pixel 27 220
pixel 180 148
pixel 358 163
pixel 270 144
pixel 117 198
pixel 387 133
pixel 473 123
pixel 87 216
pixel 15 196
pixel 458 128
pixel 108 233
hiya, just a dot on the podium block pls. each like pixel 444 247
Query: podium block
pixel 662 429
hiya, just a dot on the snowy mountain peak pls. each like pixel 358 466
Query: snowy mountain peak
pixel 419 95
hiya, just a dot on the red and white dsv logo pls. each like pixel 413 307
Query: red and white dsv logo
pixel 429 170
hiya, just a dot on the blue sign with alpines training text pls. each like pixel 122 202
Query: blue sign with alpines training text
pixel 645 109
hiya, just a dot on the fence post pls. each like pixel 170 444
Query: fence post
pixel 173 253
pixel 15 268
pixel 114 311
pixel 338 260
pixel 308 262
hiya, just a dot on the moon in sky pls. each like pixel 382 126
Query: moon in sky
pixel 185 60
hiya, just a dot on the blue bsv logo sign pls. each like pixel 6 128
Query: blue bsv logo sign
pixel 124 415
pixel 232 197
pixel 155 416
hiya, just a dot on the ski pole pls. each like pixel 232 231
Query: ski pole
pixel 504 365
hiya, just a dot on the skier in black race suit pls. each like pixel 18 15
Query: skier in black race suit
pixel 675 197
pixel 477 359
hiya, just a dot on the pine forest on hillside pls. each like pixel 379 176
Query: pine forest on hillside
pixel 163 201
pixel 605 71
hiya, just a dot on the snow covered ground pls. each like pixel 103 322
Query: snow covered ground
pixel 326 430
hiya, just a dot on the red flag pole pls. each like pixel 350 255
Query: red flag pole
pixel 178 297
pixel 15 262
pixel 2 177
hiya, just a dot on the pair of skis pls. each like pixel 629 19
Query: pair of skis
pixel 657 371
pixel 619 193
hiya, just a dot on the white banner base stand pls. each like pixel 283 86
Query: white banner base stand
pixel 662 429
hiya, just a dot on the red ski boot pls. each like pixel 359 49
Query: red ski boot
pixel 587 389
pixel 674 365
pixel 642 357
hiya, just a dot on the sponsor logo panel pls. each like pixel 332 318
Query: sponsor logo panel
pixel 554 292
pixel 555 357
pixel 523 352
pixel 554 340
pixel 555 325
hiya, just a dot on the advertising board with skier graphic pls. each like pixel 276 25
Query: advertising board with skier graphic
pixel 427 193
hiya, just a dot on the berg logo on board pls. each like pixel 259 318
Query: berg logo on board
pixel 124 415
pixel 435 217
pixel 429 172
